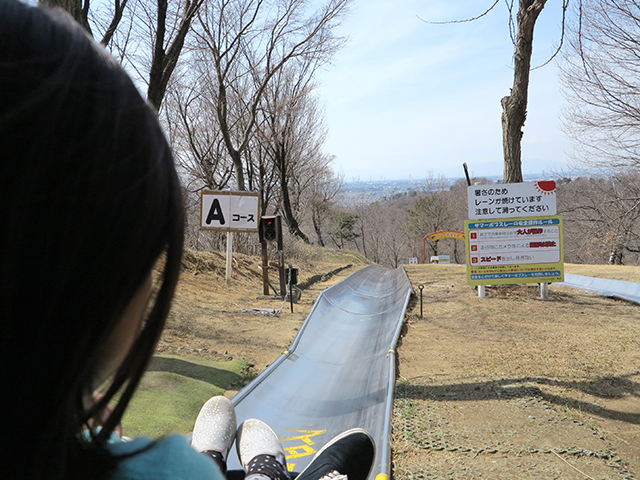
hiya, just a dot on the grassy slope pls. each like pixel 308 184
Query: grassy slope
pixel 174 389
pixel 176 385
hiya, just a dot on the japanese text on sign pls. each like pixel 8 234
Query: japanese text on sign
pixel 229 211
pixel 512 200
pixel 514 251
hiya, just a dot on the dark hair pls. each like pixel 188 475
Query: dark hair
pixel 89 201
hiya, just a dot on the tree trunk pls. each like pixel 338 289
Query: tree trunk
pixel 292 222
pixel 364 246
pixel 316 227
pixel 236 157
pixel 115 21
pixel 514 106
pixel 164 62
pixel 75 8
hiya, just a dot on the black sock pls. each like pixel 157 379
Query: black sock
pixel 218 458
pixel 267 465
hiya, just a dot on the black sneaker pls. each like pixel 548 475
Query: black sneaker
pixel 349 454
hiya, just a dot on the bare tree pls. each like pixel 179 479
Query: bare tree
pixel 170 31
pixel 431 212
pixel 246 43
pixel 601 76
pixel 395 236
pixel 80 11
pixel 196 140
pixel 167 24
pixel 514 105
pixel 293 131
pixel 321 200
pixel 602 217
pixel 381 228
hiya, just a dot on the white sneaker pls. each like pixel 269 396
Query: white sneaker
pixel 215 427
pixel 260 451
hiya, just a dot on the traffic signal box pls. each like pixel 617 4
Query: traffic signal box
pixel 271 229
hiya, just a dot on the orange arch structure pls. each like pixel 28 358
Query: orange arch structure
pixel 440 234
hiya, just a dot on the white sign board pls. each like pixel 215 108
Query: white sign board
pixel 413 261
pixel 526 250
pixel 512 200
pixel 514 245
pixel 229 211
pixel 441 259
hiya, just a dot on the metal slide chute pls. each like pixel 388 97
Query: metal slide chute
pixel 629 291
pixel 339 372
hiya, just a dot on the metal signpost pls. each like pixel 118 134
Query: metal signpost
pixel 514 235
pixel 229 212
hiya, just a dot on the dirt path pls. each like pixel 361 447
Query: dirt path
pixel 516 387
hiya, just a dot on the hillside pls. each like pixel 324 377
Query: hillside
pixel 506 387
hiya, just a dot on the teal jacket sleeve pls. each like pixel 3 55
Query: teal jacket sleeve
pixel 171 458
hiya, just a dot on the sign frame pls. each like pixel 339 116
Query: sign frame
pixel 225 202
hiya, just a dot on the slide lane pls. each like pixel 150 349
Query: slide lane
pixel 629 291
pixel 338 373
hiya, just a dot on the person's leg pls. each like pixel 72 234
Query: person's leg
pixel 260 452
pixel 215 430
pixel 349 455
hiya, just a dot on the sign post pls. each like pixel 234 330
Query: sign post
pixel 229 212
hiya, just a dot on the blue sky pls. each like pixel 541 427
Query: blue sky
pixel 405 99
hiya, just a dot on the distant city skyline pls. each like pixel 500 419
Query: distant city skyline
pixel 404 97
pixel 368 191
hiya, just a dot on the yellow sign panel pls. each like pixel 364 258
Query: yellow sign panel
pixel 514 250
pixel 435 236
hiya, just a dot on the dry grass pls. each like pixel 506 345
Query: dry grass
pixel 514 373
pixel 207 320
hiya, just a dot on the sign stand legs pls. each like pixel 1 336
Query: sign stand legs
pixel 481 291
pixel 229 255
pixel 544 290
